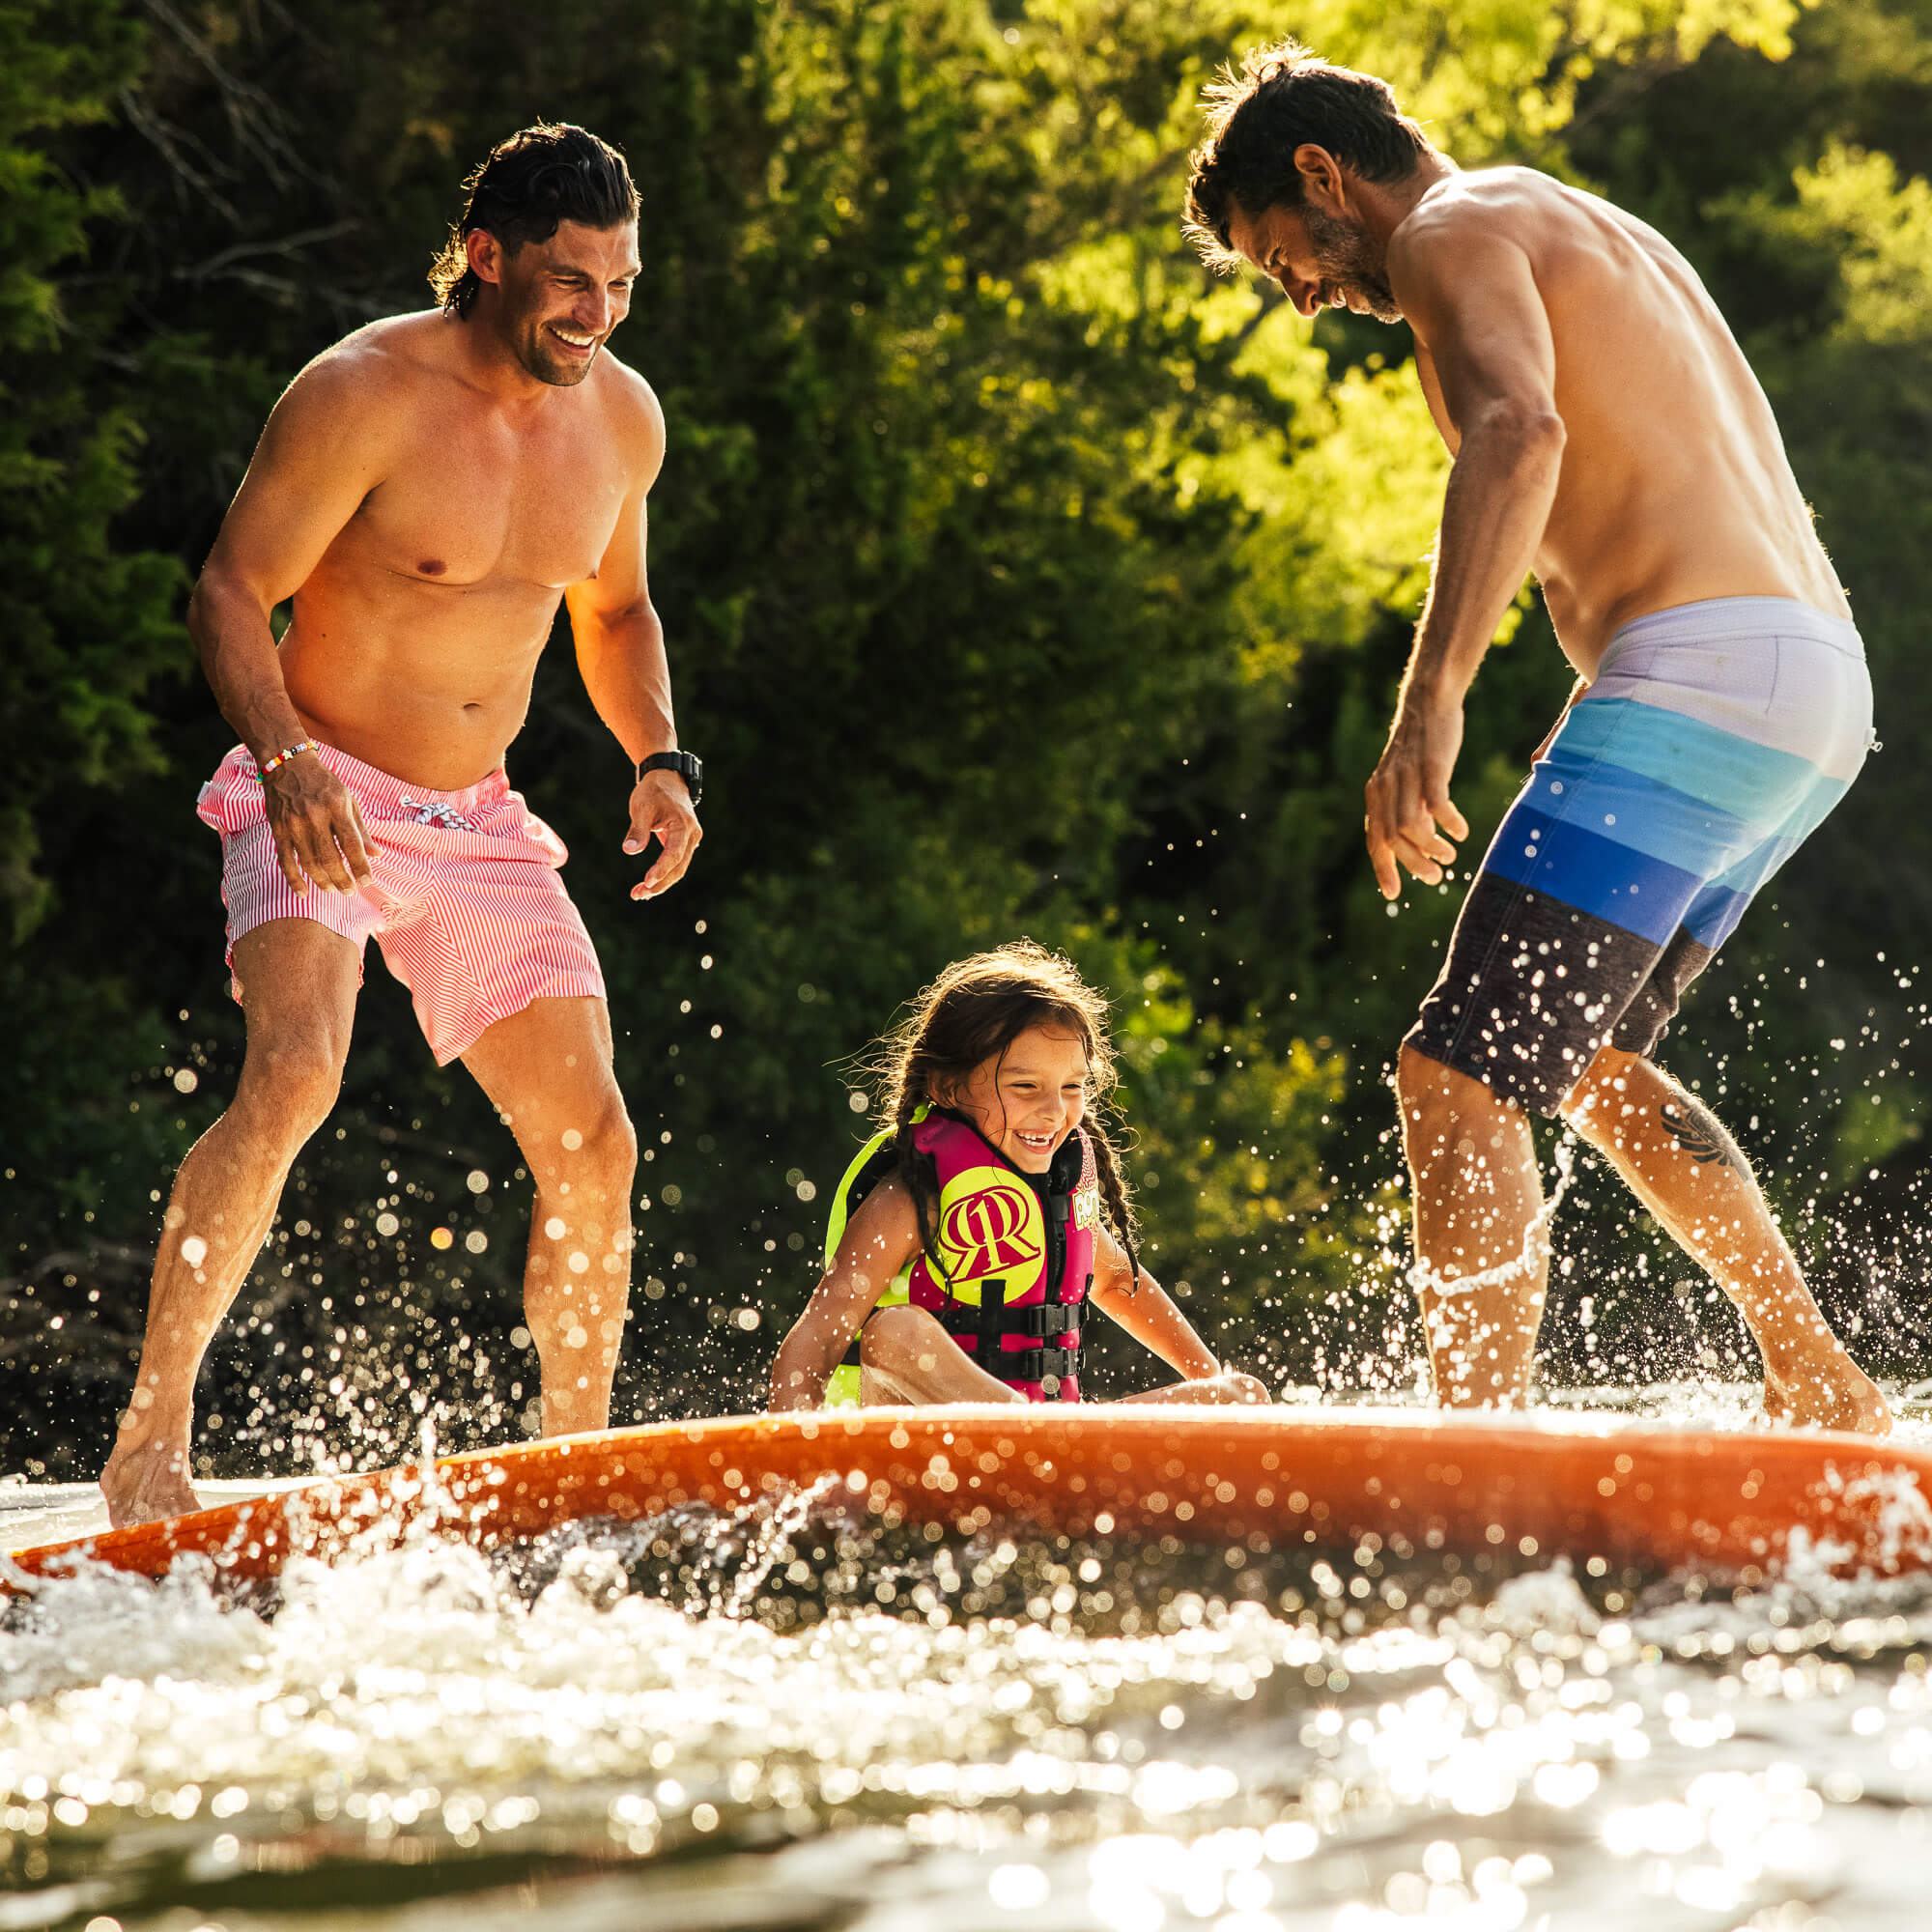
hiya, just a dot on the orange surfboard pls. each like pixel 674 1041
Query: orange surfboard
pixel 1536 1486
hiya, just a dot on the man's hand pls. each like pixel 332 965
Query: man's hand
pixel 317 826
pixel 661 809
pixel 1408 795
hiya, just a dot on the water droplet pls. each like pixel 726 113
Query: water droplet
pixel 1018 1888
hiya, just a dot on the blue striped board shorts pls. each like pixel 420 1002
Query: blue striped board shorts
pixel 1715 739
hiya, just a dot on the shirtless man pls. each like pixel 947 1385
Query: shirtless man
pixel 1609 435
pixel 425 492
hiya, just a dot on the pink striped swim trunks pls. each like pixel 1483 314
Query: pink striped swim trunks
pixel 464 902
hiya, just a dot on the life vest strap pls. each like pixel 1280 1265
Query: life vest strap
pixel 1039 1320
pixel 1036 1365
pixel 983 1329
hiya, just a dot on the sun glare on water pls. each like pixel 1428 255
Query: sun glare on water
pixel 779 1717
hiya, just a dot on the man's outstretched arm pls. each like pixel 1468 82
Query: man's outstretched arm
pixel 318 457
pixel 620 654
pixel 1480 322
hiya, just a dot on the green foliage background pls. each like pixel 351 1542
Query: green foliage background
pixel 1019 578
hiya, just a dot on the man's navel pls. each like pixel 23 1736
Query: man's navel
pixel 432 566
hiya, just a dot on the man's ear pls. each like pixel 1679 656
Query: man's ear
pixel 486 255
pixel 1322 178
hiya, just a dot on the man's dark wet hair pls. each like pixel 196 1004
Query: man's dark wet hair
pixel 1284 96
pixel 541 175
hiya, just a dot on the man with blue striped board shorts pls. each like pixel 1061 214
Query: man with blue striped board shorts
pixel 1606 434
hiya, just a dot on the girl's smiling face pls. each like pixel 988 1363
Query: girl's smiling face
pixel 1026 1100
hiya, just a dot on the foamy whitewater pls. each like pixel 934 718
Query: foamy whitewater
pixel 782 1720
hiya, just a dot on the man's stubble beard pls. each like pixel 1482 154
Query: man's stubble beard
pixel 526 334
pixel 534 352
pixel 1349 261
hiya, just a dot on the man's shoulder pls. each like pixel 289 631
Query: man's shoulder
pixel 1481 231
pixel 1500 204
pixel 1499 208
pixel 632 410
pixel 630 400
pixel 375 365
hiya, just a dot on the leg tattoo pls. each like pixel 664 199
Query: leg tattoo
pixel 1697 1131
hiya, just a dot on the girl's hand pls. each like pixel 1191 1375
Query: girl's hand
pixel 1231 1385
pixel 1240 1386
pixel 1227 1386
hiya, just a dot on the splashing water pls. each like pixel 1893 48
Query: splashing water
pixel 783 1716
pixel 1535 1240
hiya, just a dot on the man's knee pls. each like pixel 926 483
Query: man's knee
pixel 1448 1114
pixel 1427 1089
pixel 609 1149
pixel 1602 1096
pixel 591 1143
pixel 1419 1081
pixel 289 1085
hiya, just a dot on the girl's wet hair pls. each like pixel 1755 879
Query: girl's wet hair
pixel 972 1013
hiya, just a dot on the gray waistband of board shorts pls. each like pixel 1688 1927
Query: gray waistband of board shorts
pixel 1718 617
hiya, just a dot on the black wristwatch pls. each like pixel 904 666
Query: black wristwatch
pixel 688 768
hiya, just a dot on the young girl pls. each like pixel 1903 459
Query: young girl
pixel 967 1240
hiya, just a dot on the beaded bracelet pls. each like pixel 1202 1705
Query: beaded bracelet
pixel 283 757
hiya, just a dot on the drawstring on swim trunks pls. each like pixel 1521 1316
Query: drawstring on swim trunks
pixel 445 815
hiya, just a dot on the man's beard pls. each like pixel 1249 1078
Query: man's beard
pixel 1349 262
pixel 540 360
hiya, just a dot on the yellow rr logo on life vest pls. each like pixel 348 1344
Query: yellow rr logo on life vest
pixel 990 1224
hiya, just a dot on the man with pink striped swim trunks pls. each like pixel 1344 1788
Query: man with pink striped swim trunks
pixel 425 493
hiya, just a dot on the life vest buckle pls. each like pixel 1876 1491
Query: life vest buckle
pixel 1037 1321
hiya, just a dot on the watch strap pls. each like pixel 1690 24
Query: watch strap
pixel 688 767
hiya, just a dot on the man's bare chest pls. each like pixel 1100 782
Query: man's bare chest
pixel 476 505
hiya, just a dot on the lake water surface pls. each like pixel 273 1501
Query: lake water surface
pixel 791 1720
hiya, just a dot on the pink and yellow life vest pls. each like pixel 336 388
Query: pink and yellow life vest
pixel 1012 1259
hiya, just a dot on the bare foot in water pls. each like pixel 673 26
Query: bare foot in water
pixel 1828 1390
pixel 146 1480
